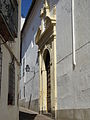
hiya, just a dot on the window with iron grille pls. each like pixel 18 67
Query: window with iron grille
pixel 0 69
pixel 11 89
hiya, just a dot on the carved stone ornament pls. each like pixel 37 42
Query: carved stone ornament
pixel 47 24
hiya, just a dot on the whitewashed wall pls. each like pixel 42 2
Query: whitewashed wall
pixel 30 53
pixel 10 112
pixel 73 85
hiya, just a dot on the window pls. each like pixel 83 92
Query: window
pixel 20 94
pixel 11 89
pixel 24 91
pixel 0 69
pixel 23 66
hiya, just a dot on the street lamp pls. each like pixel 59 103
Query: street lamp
pixel 27 68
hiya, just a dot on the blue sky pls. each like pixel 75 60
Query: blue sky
pixel 25 5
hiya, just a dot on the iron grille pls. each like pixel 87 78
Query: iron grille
pixel 11 93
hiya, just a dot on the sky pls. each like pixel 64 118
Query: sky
pixel 25 5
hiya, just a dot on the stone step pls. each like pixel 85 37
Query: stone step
pixel 25 114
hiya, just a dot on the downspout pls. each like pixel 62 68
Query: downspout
pixel 73 35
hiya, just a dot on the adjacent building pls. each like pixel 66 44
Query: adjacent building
pixel 55 53
pixel 10 12
pixel 29 83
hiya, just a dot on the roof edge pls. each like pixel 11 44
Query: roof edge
pixel 29 12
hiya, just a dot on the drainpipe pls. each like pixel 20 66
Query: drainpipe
pixel 73 35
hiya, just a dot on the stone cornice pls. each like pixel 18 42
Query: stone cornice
pixel 49 31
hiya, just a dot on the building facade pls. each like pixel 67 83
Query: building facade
pixel 55 59
pixel 29 83
pixel 10 12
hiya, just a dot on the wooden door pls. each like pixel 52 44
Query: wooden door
pixel 48 89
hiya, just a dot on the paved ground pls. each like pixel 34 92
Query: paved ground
pixel 25 114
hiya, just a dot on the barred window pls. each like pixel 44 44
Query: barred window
pixel 0 69
pixel 11 89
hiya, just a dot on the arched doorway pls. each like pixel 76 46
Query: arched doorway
pixel 47 67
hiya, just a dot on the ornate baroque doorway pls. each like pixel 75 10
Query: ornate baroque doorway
pixel 46 41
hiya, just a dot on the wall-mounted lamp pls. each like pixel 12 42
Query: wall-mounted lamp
pixel 27 68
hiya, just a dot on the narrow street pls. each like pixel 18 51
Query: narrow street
pixel 25 114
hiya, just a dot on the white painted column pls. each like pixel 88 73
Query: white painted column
pixel 40 77
pixel 44 74
pixel 73 33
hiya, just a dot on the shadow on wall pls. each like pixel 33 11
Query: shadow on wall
pixel 28 37
pixel 26 116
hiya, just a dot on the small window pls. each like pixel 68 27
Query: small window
pixel 23 66
pixel 11 89
pixel 24 91
pixel 20 94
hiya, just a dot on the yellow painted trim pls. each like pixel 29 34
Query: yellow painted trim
pixel 47 40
